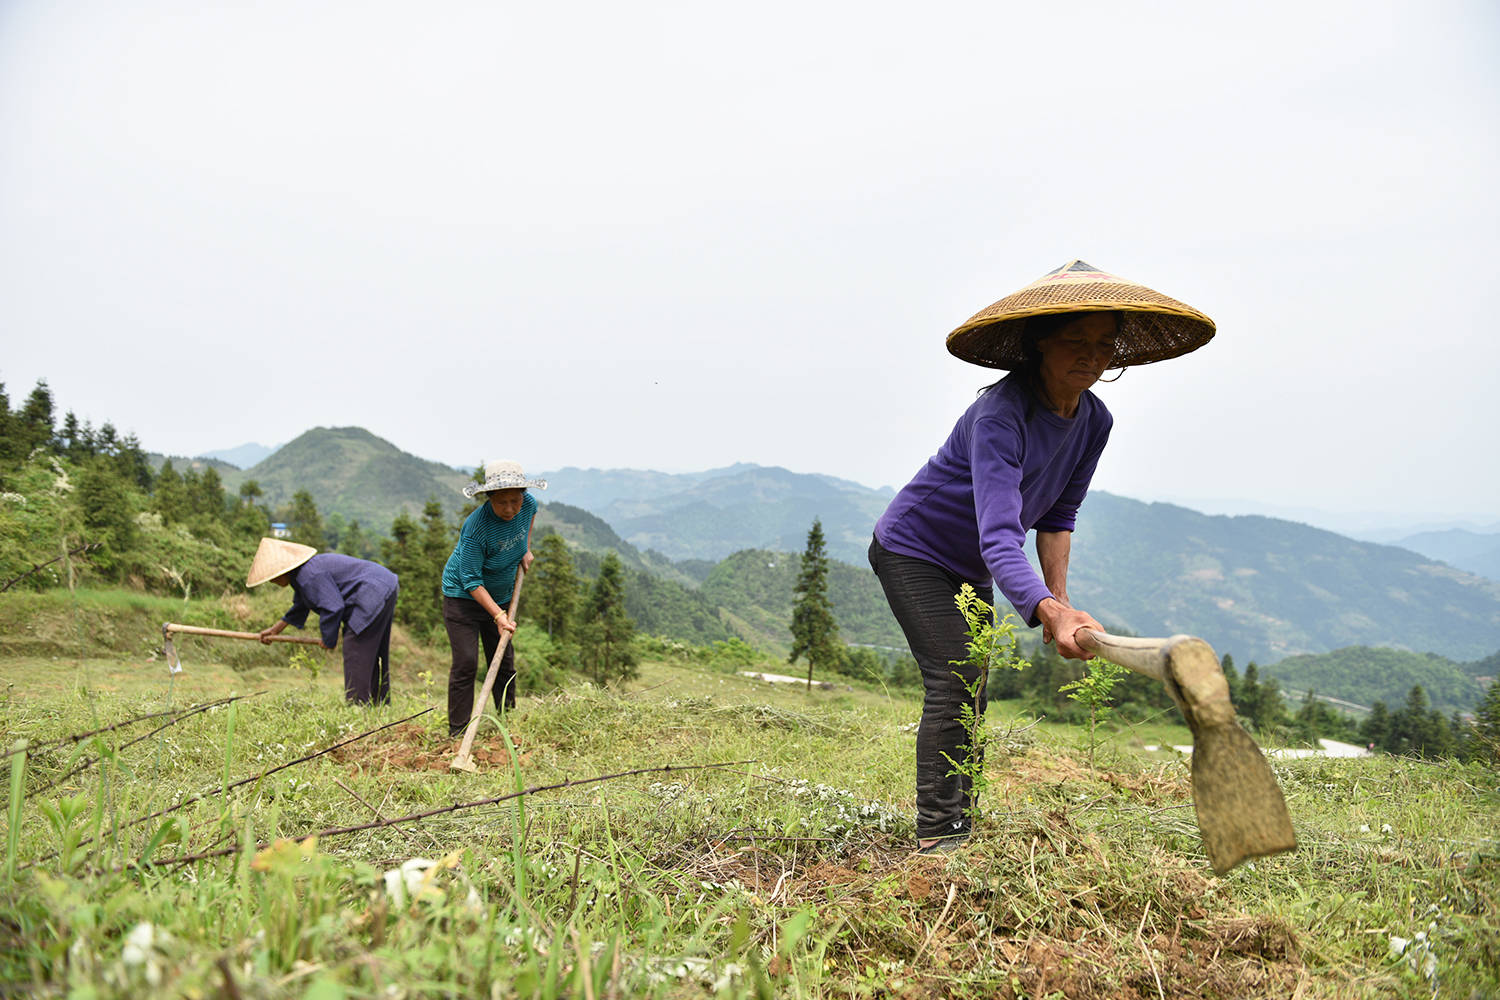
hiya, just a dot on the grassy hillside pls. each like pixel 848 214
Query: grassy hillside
pixel 1265 589
pixel 350 471
pixel 734 840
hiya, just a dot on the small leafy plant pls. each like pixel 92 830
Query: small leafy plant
pixel 991 646
pixel 1092 690
pixel 301 659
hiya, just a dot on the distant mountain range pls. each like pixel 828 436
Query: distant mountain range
pixel 1259 587
pixel 1475 551
pixel 709 515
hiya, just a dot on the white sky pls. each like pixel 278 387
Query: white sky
pixel 677 236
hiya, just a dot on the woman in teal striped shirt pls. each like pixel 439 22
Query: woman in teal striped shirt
pixel 478 581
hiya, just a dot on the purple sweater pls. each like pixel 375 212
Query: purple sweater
pixel 999 474
pixel 340 589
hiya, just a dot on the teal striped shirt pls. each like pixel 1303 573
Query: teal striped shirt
pixel 488 552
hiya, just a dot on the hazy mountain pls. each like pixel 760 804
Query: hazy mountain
pixel 352 472
pixel 243 456
pixel 709 515
pixel 1265 589
pixel 1477 552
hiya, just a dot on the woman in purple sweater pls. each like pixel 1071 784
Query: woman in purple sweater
pixel 1019 459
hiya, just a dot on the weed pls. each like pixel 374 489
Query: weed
pixel 1093 691
pixel 991 646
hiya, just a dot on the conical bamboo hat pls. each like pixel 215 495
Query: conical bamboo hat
pixel 275 557
pixel 1153 327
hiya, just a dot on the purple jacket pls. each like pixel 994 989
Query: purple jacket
pixel 340 589
pixel 1002 472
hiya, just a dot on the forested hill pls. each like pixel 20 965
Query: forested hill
pixel 709 515
pixel 1364 676
pixel 351 472
pixel 1266 588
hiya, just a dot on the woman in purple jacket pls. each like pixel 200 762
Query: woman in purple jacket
pixel 1019 459
pixel 358 594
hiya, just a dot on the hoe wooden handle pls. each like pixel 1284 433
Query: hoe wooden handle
pixel 1186 665
pixel 170 627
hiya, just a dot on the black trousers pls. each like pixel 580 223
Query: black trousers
pixel 367 659
pixel 921 596
pixel 468 626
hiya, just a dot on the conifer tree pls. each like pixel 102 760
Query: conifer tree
pixel 303 522
pixel 606 633
pixel 35 420
pixel 552 587
pixel 815 633
pixel 1484 738
pixel 171 497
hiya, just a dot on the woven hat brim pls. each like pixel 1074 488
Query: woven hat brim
pixel 494 483
pixel 1154 327
pixel 274 557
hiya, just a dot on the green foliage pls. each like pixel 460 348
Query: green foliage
pixel 551 586
pixel 1092 690
pixel 815 633
pixel 1364 675
pixel 605 633
pixel 417 554
pixel 352 472
pixel 991 647
pixel 304 524
pixel 1483 742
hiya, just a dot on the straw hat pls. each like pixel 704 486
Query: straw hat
pixel 501 475
pixel 275 557
pixel 1153 327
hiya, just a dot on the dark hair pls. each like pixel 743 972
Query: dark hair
pixel 1035 330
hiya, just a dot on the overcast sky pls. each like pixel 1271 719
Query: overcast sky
pixel 676 236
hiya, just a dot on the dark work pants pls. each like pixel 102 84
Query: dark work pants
pixel 468 625
pixel 367 659
pixel 921 595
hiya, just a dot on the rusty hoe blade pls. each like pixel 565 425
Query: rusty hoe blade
pixel 1240 808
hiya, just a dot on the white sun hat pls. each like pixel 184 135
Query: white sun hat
pixel 503 475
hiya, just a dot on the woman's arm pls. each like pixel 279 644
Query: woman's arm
pixel 1059 618
pixel 492 608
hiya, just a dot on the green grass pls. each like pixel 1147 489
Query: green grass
pixel 788 874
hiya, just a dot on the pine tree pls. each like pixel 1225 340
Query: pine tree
pixel 552 586
pixel 303 522
pixel 402 554
pixel 355 542
pixel 171 497
pixel 1484 738
pixel 1376 729
pixel 606 633
pixel 815 633
pixel 1231 677
pixel 35 420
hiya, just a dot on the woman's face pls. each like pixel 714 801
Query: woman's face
pixel 506 504
pixel 1076 355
